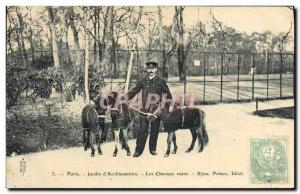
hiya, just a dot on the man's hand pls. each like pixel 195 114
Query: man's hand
pixel 150 116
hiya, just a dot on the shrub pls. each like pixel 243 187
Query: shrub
pixel 96 81
pixel 16 84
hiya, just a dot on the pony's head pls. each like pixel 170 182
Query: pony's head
pixel 112 98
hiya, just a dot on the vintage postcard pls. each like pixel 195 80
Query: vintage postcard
pixel 130 97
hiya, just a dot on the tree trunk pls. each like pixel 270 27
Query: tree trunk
pixel 53 38
pixel 30 39
pixel 180 48
pixel 95 41
pixel 98 36
pixel 162 45
pixel 21 35
pixel 68 49
pixel 86 63
pixel 75 37
pixel 132 52
pixel 114 58
pixel 107 37
pixel 8 32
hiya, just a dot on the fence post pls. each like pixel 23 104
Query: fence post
pixel 238 78
pixel 256 99
pixel 281 75
pixel 253 72
pixel 268 64
pixel 204 74
pixel 222 61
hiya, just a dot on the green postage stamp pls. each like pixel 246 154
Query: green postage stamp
pixel 268 160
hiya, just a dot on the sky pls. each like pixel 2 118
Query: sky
pixel 248 19
pixel 243 19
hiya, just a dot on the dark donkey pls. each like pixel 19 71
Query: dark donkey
pixel 93 122
pixel 185 118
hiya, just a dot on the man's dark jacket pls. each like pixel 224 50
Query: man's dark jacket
pixel 154 86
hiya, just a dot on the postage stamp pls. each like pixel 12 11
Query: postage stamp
pixel 268 160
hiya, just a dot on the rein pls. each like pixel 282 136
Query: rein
pixel 137 110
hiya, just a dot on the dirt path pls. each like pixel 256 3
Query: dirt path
pixel 229 126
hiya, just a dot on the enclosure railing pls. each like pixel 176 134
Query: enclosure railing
pixel 214 76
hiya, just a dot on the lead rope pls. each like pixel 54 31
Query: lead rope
pixel 144 113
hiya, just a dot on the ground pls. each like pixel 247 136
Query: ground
pixel 229 126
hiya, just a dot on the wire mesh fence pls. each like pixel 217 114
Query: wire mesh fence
pixel 211 76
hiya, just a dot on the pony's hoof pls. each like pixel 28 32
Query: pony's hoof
pixel 188 150
pixel 167 154
pixel 85 149
pixel 128 154
pixel 174 151
pixel 92 154
pixel 201 150
pixel 100 153
pixel 115 153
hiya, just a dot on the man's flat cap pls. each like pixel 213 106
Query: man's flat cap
pixel 151 64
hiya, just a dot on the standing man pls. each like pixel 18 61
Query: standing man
pixel 151 86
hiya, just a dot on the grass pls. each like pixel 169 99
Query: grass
pixel 29 127
pixel 284 112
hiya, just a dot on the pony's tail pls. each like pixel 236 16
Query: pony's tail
pixel 203 127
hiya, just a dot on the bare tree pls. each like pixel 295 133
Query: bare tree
pixel 122 16
pixel 21 34
pixel 30 34
pixel 284 39
pixel 72 16
pixel 167 50
pixel 53 37
pixel 86 63
pixel 10 29
pixel 107 37
pixel 178 19
pixel 178 34
pixel 134 44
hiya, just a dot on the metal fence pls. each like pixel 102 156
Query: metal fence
pixel 212 76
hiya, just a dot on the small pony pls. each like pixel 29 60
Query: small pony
pixel 93 123
pixel 122 117
pixel 185 118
